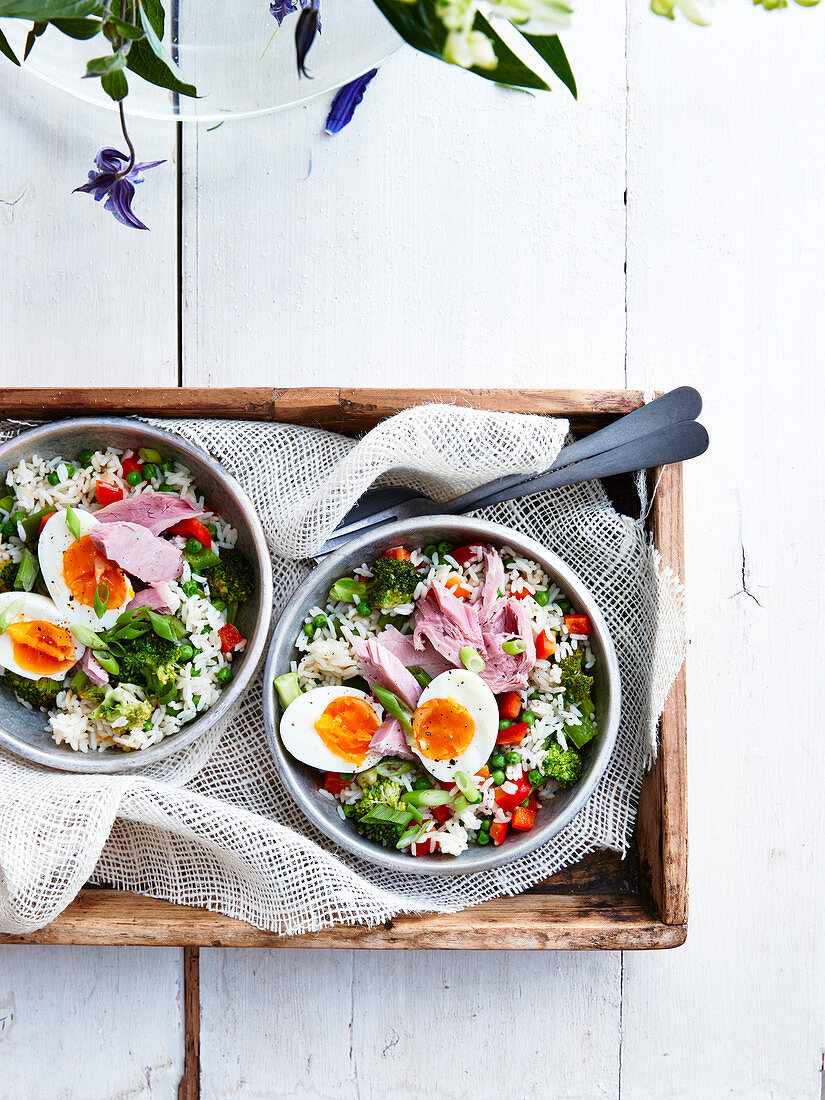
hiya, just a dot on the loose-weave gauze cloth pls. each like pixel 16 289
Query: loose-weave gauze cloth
pixel 213 825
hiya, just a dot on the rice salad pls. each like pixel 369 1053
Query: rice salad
pixel 443 693
pixel 119 588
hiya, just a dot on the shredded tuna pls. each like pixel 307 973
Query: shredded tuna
pixel 383 668
pixel 157 597
pixel 96 673
pixel 402 646
pixel 491 593
pixel 155 511
pixel 389 740
pixel 506 671
pixel 138 552
pixel 448 623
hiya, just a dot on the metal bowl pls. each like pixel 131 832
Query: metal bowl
pixel 555 813
pixel 22 731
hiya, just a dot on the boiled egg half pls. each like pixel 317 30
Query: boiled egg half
pixel 73 568
pixel 37 641
pixel 455 724
pixel 330 728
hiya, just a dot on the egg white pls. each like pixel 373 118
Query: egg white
pixel 55 540
pixel 301 739
pixel 474 695
pixel 31 606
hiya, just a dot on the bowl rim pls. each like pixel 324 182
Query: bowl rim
pixel 476 859
pixel 109 762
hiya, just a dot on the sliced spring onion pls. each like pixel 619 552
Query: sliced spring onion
pixel 431 797
pixel 31 524
pixel 6 504
pixel 514 646
pixel 107 661
pixel 72 522
pixel 27 573
pixel 390 702
pixel 79 681
pixel 471 659
pixel 101 600
pixel 348 590
pixel 199 563
pixel 460 804
pixel 417 814
pixel 231 612
pixel 412 835
pixel 387 815
pixel 10 614
pixel 421 676
pixel 87 637
pixel 467 787
pixel 393 768
pixel 149 454
pixel 288 687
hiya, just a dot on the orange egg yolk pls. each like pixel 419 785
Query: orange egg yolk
pixel 84 568
pixel 443 729
pixel 347 726
pixel 41 647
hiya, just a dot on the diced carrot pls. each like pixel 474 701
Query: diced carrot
pixel 578 624
pixel 399 553
pixel 457 587
pixel 509 705
pixel 545 645
pixel 484 772
pixel 498 831
pixel 523 818
pixel 512 735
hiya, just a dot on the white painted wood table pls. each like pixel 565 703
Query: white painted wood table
pixel 669 228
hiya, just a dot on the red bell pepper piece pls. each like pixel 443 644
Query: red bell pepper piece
pixel 578 624
pixel 230 638
pixel 545 646
pixel 522 594
pixel 509 705
pixel 442 814
pixel 512 735
pixel 130 464
pixel 399 553
pixel 106 493
pixel 464 554
pixel 510 801
pixel 498 831
pixel 523 818
pixel 44 521
pixel 192 529
pixel 423 847
pixel 334 783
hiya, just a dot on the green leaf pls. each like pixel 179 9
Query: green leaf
pixel 78 28
pixel 411 22
pixel 42 11
pixel 157 46
pixel 6 49
pixel 143 62
pixel 115 85
pixel 510 69
pixel 125 30
pixel 550 48
pixel 111 63
pixel 35 32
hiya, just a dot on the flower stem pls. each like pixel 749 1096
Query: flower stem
pixel 131 163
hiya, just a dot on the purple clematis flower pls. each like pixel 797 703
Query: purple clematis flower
pixel 280 9
pixel 306 29
pixel 117 185
pixel 345 102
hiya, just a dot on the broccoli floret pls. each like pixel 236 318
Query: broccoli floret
pixel 232 579
pixel 577 685
pixel 394 582
pixel 564 765
pixel 149 660
pixel 8 571
pixel 119 703
pixel 40 693
pixel 384 792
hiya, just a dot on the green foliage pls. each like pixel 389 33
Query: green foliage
pixel 119 702
pixel 577 685
pixel 384 792
pixel 563 765
pixel 8 572
pixel 40 693
pixel 152 661
pixel 394 582
pixel 232 579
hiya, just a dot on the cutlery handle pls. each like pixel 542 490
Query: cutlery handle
pixel 683 403
pixel 675 443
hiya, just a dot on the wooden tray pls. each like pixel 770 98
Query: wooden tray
pixel 603 902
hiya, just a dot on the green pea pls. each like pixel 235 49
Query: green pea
pixel 309 630
pixel 498 778
pixel 363 608
pixel 485 824
pixel 167 467
pixel 528 717
pixel 70 471
pixel 504 723
pixel 85 458
pixel 445 548
pixel 535 695
pixel 9 529
pixel 496 761
pixel 512 758
pixel 190 588
pixel 421 785
pixel 482 838
pixel 149 470
pixel 212 529
pixel 186 653
pixel 134 477
pixel 219 605
pixel 542 597
pixel 563 604
pixel 193 546
pixel 149 454
pixel 224 675
pixel 430 549
pixel 349 811
pixel 346 775
pixel 535 778
pixel 508 562
pixel 164 488
pixel 53 479
pixel 320 621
